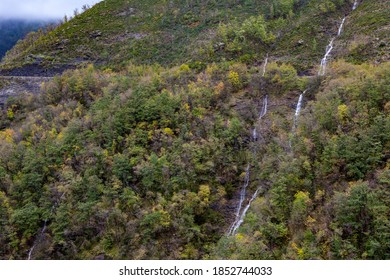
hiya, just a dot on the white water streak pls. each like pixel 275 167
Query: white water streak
pixel 263 112
pixel 239 219
pixel 264 108
pixel 298 110
pixel 299 105
pixel 31 251
pixel 42 232
pixel 239 216
pixel 243 214
pixel 242 198
pixel 329 47
pixel 324 60
pixel 355 5
pixel 341 27
pixel 254 134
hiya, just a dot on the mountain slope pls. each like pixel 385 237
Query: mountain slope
pixel 117 31
pixel 237 148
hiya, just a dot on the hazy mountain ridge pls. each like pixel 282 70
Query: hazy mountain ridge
pixel 13 30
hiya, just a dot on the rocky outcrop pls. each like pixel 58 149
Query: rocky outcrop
pixel 36 70
pixel 11 86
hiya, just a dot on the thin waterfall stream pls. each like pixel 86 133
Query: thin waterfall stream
pixel 242 198
pixel 43 230
pixel 237 225
pixel 355 5
pixel 298 110
pixel 341 27
pixel 240 214
pixel 323 65
pixel 263 112
pixel 329 47
pixel 324 60
pixel 254 134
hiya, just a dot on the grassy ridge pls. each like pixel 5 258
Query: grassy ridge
pixel 117 31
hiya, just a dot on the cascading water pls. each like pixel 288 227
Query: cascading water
pixel 341 27
pixel 43 230
pixel 254 134
pixel 40 235
pixel 329 47
pixel 296 116
pixel 324 60
pixel 355 5
pixel 242 198
pixel 240 215
pixel 298 109
pixel 263 111
pixel 299 105
pixel 322 69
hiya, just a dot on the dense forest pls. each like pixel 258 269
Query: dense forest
pixel 202 130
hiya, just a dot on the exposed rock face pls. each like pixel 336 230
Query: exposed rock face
pixel 27 79
pixel 36 70
pixel 128 12
pixel 17 85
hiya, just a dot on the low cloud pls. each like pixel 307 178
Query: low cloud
pixel 40 9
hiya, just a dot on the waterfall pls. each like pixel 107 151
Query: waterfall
pixel 322 70
pixel 329 47
pixel 242 216
pixel 263 111
pixel 30 252
pixel 355 5
pixel 254 134
pixel 43 230
pixel 298 110
pixel 299 105
pixel 265 65
pixel 40 235
pixel 341 27
pixel 296 115
pixel 324 60
pixel 242 197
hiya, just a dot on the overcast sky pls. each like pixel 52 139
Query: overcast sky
pixel 40 9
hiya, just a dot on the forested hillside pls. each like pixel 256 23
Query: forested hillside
pixel 202 130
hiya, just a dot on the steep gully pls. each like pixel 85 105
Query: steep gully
pixel 42 232
pixel 240 214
